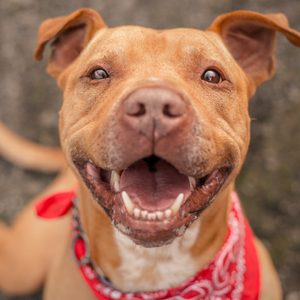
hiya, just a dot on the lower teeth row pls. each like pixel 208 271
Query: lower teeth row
pixel 137 213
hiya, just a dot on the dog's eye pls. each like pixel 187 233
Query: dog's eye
pixel 212 76
pixel 98 74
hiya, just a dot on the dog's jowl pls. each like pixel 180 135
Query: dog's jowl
pixel 154 126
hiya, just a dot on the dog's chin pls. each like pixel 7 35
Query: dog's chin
pixel 151 201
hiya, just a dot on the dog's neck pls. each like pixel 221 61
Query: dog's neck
pixel 131 267
pixel 160 267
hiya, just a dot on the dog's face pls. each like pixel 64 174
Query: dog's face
pixel 155 129
pixel 155 123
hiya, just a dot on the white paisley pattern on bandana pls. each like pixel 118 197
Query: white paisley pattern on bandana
pixel 222 279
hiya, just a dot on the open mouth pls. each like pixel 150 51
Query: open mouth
pixel 151 201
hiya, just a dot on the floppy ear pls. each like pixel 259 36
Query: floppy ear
pixel 251 37
pixel 68 36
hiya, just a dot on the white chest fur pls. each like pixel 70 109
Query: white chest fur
pixel 148 269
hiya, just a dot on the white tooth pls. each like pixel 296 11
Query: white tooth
pixel 159 215
pixel 115 181
pixel 127 202
pixel 151 216
pixel 144 214
pixel 192 181
pixel 177 203
pixel 168 213
pixel 205 189
pixel 136 212
pixel 209 186
pixel 92 170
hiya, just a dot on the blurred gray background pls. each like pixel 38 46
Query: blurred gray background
pixel 269 184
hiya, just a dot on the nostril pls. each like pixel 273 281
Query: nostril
pixel 174 111
pixel 136 109
pixel 167 111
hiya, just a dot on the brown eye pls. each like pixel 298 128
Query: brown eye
pixel 212 76
pixel 99 74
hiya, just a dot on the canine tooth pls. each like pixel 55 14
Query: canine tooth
pixel 192 181
pixel 151 216
pixel 92 170
pixel 144 214
pixel 115 181
pixel 136 212
pixel 127 202
pixel 177 203
pixel 210 185
pixel 159 215
pixel 206 190
pixel 168 213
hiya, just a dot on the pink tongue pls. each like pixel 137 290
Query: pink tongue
pixel 154 190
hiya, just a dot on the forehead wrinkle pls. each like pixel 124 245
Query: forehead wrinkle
pixel 207 48
pixel 111 43
pixel 92 44
pixel 123 35
pixel 207 42
pixel 117 40
pixel 219 47
pixel 193 42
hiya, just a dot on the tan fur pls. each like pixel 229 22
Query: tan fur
pixel 34 156
pixel 90 123
pixel 269 277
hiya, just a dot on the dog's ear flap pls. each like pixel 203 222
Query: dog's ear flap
pixel 251 37
pixel 68 36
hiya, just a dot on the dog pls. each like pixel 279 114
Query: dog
pixel 154 127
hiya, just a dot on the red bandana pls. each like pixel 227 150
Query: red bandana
pixel 233 273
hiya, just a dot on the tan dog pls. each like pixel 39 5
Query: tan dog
pixel 149 116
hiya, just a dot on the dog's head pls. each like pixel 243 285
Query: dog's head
pixel 155 122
